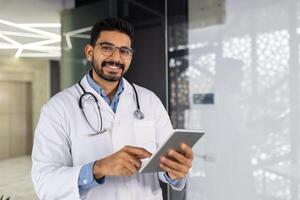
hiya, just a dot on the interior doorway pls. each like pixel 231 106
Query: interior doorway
pixel 15 119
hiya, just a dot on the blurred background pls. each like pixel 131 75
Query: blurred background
pixel 228 67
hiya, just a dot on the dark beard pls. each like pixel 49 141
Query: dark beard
pixel 108 77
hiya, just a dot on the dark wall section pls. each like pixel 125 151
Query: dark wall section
pixel 178 61
pixel 79 3
pixel 54 77
pixel 148 67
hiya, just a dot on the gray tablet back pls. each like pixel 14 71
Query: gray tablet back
pixel 179 136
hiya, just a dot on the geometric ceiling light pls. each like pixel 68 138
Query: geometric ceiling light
pixel 79 33
pixel 30 39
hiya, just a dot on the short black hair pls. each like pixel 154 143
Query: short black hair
pixel 111 24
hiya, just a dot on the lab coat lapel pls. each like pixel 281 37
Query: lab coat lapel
pixel 122 134
pixel 126 98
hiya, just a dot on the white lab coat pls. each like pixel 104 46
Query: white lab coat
pixel 62 145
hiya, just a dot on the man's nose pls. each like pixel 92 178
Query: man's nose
pixel 116 55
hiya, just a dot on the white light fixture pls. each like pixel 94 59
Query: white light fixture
pixel 43 43
pixel 76 34
pixel 45 25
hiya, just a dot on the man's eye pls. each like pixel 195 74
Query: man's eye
pixel 125 51
pixel 107 48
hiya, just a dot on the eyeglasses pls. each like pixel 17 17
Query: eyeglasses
pixel 108 49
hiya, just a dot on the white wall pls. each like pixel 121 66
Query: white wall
pixel 250 62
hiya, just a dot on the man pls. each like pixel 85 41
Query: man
pixel 92 137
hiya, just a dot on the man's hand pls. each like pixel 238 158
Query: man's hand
pixel 177 164
pixel 125 162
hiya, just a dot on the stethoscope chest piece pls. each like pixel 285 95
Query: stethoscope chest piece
pixel 138 114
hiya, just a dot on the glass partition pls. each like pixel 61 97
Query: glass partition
pixel 238 80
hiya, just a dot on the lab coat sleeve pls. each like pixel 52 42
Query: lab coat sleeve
pixel 53 175
pixel 163 130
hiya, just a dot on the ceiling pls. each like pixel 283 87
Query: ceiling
pixel 31 28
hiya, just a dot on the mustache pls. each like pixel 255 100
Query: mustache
pixel 113 63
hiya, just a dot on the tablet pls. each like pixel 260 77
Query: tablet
pixel 179 136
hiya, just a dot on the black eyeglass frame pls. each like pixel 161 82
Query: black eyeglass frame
pixel 115 48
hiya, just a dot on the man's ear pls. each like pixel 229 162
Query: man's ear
pixel 88 50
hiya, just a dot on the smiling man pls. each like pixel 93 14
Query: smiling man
pixel 91 138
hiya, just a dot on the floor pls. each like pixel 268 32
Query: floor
pixel 15 179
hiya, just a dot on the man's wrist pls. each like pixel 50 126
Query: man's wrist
pixel 170 176
pixel 98 170
pixel 171 180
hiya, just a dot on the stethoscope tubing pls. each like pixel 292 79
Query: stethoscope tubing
pixel 98 107
pixel 138 114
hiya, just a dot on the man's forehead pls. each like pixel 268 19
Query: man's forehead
pixel 115 37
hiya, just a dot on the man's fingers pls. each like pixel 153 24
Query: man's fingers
pixel 137 151
pixel 174 165
pixel 131 167
pixel 187 150
pixel 133 159
pixel 125 172
pixel 170 171
pixel 180 158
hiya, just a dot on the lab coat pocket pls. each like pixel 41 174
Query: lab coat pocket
pixel 144 132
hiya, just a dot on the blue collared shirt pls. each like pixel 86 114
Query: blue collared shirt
pixel 114 103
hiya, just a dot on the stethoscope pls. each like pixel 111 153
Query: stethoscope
pixel 88 99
